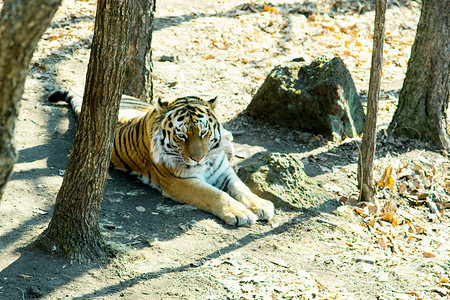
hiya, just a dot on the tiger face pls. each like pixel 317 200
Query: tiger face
pixel 188 132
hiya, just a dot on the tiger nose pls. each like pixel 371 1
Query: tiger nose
pixel 197 158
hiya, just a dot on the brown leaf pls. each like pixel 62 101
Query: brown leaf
pixel 343 199
pixel 444 280
pixel 418 169
pixel 402 189
pixel 419 229
pixel 405 175
pixel 387 180
pixel 388 217
pixel 361 212
pixel 390 206
pixel 382 243
pixel 415 294
pixel 352 201
pixel 271 9
pixel 372 209
pixel 447 186
pixel 394 222
pixel 428 254
pixel 372 222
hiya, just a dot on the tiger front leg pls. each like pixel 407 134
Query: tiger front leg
pixel 264 209
pixel 208 198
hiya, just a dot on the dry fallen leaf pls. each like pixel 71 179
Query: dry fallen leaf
pixel 394 222
pixel 419 229
pixel 382 243
pixel 372 222
pixel 447 186
pixel 361 212
pixel 271 9
pixel 388 217
pixel 402 189
pixel 418 169
pixel 372 209
pixel 387 180
pixel 390 206
pixel 444 280
pixel 428 255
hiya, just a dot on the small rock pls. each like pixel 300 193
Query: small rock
pixel 140 208
pixel 280 178
pixel 366 259
pixel 110 226
pixel 168 58
pixel 34 292
pixel 333 188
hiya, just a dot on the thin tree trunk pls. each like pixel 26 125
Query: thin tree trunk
pixel 138 81
pixel 73 231
pixel 21 26
pixel 365 163
pixel 424 98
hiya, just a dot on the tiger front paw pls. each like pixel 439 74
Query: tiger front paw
pixel 236 214
pixel 264 209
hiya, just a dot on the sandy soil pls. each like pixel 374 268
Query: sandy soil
pixel 400 250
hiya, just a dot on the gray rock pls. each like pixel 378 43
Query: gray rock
pixel 319 97
pixel 280 178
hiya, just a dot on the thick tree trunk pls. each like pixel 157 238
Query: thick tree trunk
pixel 73 231
pixel 138 81
pixel 365 163
pixel 424 98
pixel 21 26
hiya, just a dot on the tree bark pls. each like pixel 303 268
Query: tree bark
pixel 21 26
pixel 73 231
pixel 365 163
pixel 138 81
pixel 424 98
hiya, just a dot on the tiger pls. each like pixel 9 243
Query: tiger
pixel 181 149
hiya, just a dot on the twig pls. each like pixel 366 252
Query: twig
pixel 326 222
pixel 361 168
pixel 23 293
pixel 406 127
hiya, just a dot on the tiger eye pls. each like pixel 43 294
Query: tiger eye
pixel 181 136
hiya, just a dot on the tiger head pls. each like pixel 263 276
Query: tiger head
pixel 186 132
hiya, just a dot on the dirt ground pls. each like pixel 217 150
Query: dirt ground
pixel 396 249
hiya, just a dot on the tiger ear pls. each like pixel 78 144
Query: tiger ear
pixel 213 102
pixel 161 105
